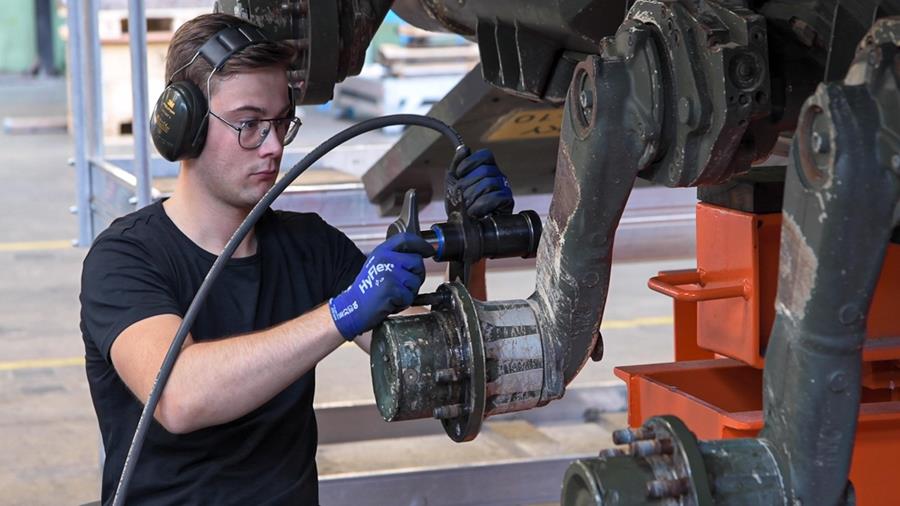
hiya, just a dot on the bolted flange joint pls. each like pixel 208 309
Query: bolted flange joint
pixel 664 460
pixel 456 362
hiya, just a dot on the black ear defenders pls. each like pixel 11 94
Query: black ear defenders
pixel 179 120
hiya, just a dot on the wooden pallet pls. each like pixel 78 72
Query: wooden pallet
pixel 402 61
pixel 115 61
pixel 415 36
pixel 112 24
pixel 411 77
pixel 118 110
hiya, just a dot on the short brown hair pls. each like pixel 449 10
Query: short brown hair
pixel 188 39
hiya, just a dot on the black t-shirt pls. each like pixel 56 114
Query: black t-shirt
pixel 143 266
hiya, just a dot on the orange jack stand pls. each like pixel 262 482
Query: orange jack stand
pixel 723 316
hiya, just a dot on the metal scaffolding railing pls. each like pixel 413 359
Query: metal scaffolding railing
pixel 137 42
pixel 85 65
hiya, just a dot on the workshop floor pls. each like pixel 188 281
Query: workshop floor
pixel 48 432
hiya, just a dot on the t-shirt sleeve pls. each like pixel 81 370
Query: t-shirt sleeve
pixel 347 260
pixel 121 284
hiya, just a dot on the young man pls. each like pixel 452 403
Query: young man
pixel 235 423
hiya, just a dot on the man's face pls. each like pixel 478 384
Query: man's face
pixel 233 175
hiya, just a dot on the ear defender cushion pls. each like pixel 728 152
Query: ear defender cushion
pixel 178 123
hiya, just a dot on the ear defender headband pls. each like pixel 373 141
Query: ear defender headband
pixel 179 120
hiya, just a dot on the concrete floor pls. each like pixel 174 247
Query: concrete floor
pixel 48 432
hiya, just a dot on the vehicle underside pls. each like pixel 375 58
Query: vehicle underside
pixel 785 115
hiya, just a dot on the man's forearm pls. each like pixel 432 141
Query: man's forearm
pixel 364 341
pixel 215 382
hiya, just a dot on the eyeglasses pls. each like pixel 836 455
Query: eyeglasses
pixel 252 133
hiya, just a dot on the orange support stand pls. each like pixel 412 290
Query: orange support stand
pixel 725 308
pixel 477 281
pixel 737 257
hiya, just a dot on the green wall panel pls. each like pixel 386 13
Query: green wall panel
pixel 18 47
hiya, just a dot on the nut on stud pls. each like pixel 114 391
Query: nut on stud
pixel 626 436
pixel 451 411
pixel 662 489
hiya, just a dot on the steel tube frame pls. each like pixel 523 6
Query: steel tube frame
pixel 87 107
pixel 93 64
pixel 76 49
pixel 502 484
pixel 137 42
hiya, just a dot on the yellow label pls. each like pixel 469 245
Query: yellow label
pixel 526 124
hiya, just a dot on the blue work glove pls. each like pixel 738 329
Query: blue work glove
pixel 485 190
pixel 387 283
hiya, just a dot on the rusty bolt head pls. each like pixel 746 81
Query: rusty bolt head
pixel 585 104
pixel 644 448
pixel 626 436
pixel 849 314
pixel 623 436
pixel 451 411
pixel 819 143
pixel 610 452
pixel 586 99
pixel 838 381
pixel 661 489
pixel 666 447
pixel 651 447
pixel 446 375
pixel 745 70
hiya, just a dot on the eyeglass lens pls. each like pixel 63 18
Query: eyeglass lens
pixel 253 133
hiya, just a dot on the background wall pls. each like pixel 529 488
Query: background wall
pixel 18 39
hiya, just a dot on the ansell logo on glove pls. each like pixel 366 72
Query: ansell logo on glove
pixel 346 311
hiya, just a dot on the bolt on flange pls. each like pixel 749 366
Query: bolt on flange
pixel 664 461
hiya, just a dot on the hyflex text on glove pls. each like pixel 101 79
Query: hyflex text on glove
pixel 387 284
